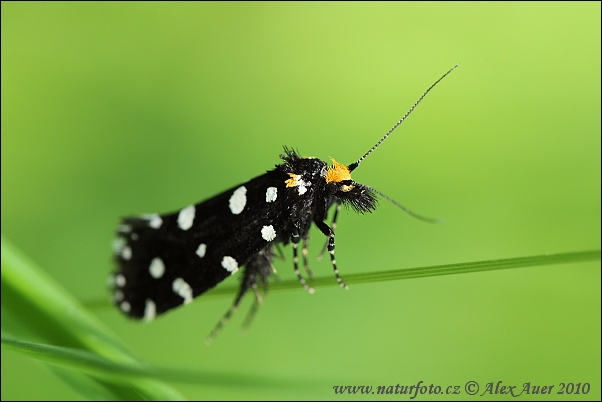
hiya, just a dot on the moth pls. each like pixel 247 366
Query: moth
pixel 165 261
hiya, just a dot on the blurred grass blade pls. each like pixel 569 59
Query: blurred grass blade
pixel 75 359
pixel 91 388
pixel 98 367
pixel 33 304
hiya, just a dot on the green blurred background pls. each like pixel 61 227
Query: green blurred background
pixel 121 108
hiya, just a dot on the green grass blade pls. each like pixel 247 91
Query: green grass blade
pixel 89 387
pixel 98 367
pixel 76 359
pixel 33 304
pixel 436 270
pixel 477 266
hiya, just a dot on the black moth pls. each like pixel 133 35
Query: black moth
pixel 165 261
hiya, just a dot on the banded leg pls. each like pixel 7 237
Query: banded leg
pixel 223 321
pixel 226 318
pixel 295 241
pixel 328 232
pixel 305 260
pixel 279 252
pixel 251 315
pixel 333 225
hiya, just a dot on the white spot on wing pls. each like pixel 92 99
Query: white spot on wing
pixel 118 245
pixel 156 268
pixel 126 253
pixel 183 289
pixel 238 200
pixel 201 250
pixel 125 307
pixel 186 217
pixel 268 233
pixel 154 221
pixel 271 194
pixel 230 264
pixel 124 229
pixel 118 296
pixel 120 280
pixel 150 311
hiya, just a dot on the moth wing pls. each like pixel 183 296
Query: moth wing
pixel 165 261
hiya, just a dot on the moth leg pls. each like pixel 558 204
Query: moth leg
pixel 328 232
pixel 295 241
pixel 224 319
pixel 280 253
pixel 258 296
pixel 256 271
pixel 258 300
pixel 305 261
pixel 333 225
pixel 260 267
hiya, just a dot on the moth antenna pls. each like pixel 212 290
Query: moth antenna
pixel 356 164
pixel 404 209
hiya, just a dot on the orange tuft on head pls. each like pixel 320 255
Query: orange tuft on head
pixel 337 173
